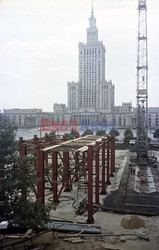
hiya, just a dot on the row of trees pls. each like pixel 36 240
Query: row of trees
pixel 128 134
pixel 18 178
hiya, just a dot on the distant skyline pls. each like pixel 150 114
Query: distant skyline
pixel 39 49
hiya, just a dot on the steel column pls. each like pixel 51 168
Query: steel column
pixel 23 153
pixel 103 192
pixel 66 175
pixel 113 153
pixel 90 185
pixel 22 147
pixel 111 157
pixel 108 144
pixel 76 166
pixel 40 168
pixel 97 175
pixel 46 159
pixel 54 176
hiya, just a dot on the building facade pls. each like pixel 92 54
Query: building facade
pixel 92 97
pixel 123 116
pixel 26 118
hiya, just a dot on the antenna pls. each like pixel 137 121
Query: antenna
pixel 92 9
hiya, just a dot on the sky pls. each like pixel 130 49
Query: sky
pixel 39 49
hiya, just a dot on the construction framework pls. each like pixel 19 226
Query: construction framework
pixel 142 84
pixel 89 160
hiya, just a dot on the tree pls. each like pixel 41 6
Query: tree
pixel 8 143
pixel 128 135
pixel 17 206
pixel 73 134
pixel 88 132
pixel 114 132
pixel 101 132
pixel 156 133
pixel 18 181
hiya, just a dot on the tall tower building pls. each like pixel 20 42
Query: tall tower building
pixel 91 68
pixel 92 94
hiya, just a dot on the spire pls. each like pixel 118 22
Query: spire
pixel 92 31
pixel 92 20
pixel 92 12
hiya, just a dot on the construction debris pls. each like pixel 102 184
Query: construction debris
pixel 132 222
pixel 74 240
pixel 80 228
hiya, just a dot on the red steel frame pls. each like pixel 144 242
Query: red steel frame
pixel 96 159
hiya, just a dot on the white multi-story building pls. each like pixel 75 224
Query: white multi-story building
pixel 24 118
pixel 92 97
pixel 73 96
pixel 124 116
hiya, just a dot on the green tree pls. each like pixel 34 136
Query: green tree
pixel 101 132
pixel 128 135
pixel 114 132
pixel 8 143
pixel 88 132
pixel 16 205
pixel 18 181
pixel 73 134
pixel 156 133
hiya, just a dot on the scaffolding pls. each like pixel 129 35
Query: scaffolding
pixel 142 85
pixel 88 160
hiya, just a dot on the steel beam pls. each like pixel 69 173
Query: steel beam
pixel 97 174
pixel 103 191
pixel 111 156
pixel 66 174
pixel 108 145
pixel 23 153
pixel 76 166
pixel 54 176
pixel 90 219
pixel 40 175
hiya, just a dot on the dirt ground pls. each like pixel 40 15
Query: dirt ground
pixel 113 236
pixel 111 225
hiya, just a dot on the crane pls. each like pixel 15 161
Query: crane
pixel 142 85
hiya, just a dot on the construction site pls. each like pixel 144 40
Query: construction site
pixel 105 199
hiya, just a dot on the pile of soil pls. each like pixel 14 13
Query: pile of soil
pixel 132 222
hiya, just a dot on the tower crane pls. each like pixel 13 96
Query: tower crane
pixel 142 85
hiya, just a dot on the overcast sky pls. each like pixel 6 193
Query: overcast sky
pixel 39 49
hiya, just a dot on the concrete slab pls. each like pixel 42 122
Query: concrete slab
pixel 141 189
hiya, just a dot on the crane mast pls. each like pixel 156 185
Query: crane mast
pixel 142 85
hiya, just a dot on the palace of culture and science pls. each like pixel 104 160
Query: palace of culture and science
pixel 91 99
